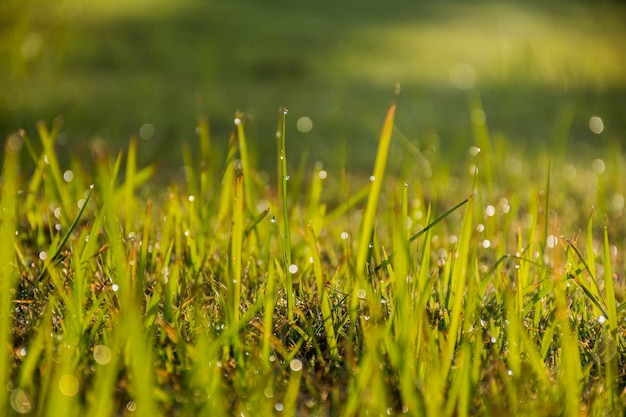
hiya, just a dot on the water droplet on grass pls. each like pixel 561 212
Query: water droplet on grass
pixel 279 407
pixel 68 385
pixel 285 111
pixel 295 365
pixel 304 124
pixel 237 121
pixel 360 293
pixel 598 166
pixel 20 401
pixel 596 125
pixel 293 268
pixel 115 287
pixel 102 354
pixel 372 178
pixel 68 176
pixel 43 255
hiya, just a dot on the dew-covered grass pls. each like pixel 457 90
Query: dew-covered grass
pixel 489 287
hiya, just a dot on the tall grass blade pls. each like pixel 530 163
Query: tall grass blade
pixel 8 272
pixel 371 207
pixel 287 229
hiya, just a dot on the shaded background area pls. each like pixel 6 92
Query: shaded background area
pixel 113 69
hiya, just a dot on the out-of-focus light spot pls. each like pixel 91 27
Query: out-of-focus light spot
pixel 474 150
pixel 598 166
pixel 43 255
pixel 480 228
pixel 295 365
pixel 478 117
pixel 322 174
pixel 15 142
pixel 601 319
pixel 551 241
pixel 31 45
pixel 486 243
pixel 344 235
pixel 304 124
pixel 360 293
pixel 463 76
pixel 569 172
pixel 192 198
pixel 490 210
pixel 293 268
pixel 102 354
pixel 473 169
pixel 68 385
pixel 617 202
pixel 68 176
pixel 596 125
pixel 146 131
pixel 20 401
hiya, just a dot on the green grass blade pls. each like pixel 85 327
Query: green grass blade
pixel 8 272
pixel 371 207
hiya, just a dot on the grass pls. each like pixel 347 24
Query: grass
pixel 393 295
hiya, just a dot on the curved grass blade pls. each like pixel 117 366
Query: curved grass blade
pixel 426 229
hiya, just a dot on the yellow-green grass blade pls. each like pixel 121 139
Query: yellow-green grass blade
pixel 326 307
pixel 286 226
pixel 371 207
pixel 8 271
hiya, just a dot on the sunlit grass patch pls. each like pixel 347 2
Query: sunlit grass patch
pixel 432 291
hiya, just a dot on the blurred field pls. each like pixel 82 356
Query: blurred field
pixel 110 67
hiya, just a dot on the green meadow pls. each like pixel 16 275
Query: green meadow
pixel 352 209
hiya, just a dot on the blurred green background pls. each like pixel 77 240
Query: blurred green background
pixel 150 68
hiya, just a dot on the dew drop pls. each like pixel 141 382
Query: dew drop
pixel 279 406
pixel 296 365
pixel 237 121
pixel 273 219
pixel 285 111
pixel 322 174
pixel 115 287
pixel 20 401
pixel 372 178
pixel 102 354
pixel 596 125
pixel 43 255
pixel 68 385
pixel 344 235
pixel 68 176
pixel 360 293
pixel 293 268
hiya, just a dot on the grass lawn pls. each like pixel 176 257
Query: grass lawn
pixel 455 249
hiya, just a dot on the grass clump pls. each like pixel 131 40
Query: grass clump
pixel 197 301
